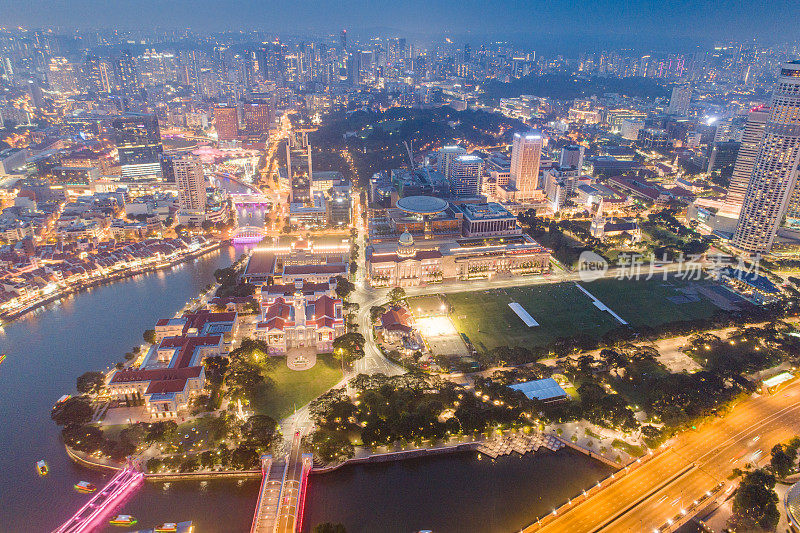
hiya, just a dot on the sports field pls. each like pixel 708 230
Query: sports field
pixel 653 302
pixel 562 310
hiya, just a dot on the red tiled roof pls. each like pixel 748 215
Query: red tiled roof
pixel 157 374
pixel 187 346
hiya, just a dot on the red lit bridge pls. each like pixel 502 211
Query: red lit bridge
pixel 103 503
pixel 282 495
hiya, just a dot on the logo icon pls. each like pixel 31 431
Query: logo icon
pixel 591 266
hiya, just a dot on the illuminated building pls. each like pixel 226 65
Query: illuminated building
pixel 526 153
pixel 191 182
pixel 226 122
pixel 679 100
pixel 466 172
pixel 772 183
pixel 745 159
pixel 138 141
pixel 256 117
pixel 447 154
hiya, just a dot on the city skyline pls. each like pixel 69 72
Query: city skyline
pixel 601 20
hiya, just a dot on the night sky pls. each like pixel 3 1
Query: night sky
pixel 701 20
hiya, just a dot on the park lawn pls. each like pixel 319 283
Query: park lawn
pixel 560 309
pixel 644 302
pixel 293 388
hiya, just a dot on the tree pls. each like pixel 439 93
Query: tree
pixel 613 359
pixel 781 462
pixel 216 367
pixel 244 458
pixel 149 336
pixel 73 411
pixel 349 347
pixel 343 287
pixel 87 439
pixel 134 435
pixel 329 527
pixel 259 430
pixel 244 379
pixel 353 267
pixel 755 504
pixel 397 295
pixel 331 446
pixel 90 382
pixel 376 311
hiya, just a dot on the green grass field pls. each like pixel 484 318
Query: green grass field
pixel 645 302
pixel 295 388
pixel 564 311
pixel 560 309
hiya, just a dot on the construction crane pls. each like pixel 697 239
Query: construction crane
pixel 409 149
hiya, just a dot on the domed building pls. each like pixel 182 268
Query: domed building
pixel 407 266
pixel 405 245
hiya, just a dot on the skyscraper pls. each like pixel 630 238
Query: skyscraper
pixel 775 168
pixel 257 117
pixel 745 159
pixel 139 147
pixel 191 184
pixel 571 156
pixel 526 153
pixel 226 119
pixel 96 72
pixel 465 176
pixel 128 79
pixel 343 39
pixel 447 154
pixel 679 102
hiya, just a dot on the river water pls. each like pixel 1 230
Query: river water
pixel 50 347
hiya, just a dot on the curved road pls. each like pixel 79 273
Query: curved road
pixel 693 463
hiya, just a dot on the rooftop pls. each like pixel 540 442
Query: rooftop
pixel 422 205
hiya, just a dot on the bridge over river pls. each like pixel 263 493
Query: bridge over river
pixel 102 504
pixel 283 490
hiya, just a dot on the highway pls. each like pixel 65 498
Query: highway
pixel 648 497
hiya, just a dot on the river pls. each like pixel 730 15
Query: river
pixel 49 348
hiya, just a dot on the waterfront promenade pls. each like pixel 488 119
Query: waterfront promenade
pixel 97 278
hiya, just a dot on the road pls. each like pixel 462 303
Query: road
pixel 694 463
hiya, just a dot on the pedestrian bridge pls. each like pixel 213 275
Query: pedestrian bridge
pixel 250 200
pixel 283 489
pixel 248 234
pixel 91 516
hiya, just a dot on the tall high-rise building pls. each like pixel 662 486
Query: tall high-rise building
pixel 138 141
pixel 526 154
pixel 571 156
pixel 343 39
pixel 191 184
pixel 745 159
pixel 256 117
pixel 465 176
pixel 128 79
pixel 723 158
pixel 226 120
pixel 447 154
pixel 96 72
pixel 775 168
pixel 680 99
